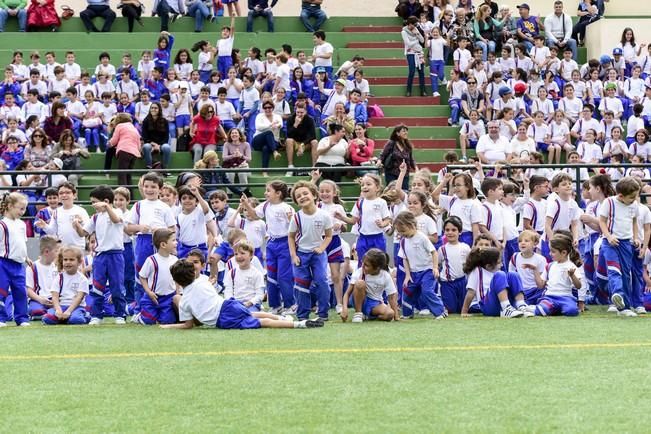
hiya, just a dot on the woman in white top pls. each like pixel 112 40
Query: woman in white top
pixel 521 143
pixel 267 133
pixel 332 151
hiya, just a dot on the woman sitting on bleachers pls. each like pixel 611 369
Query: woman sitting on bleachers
pixel 56 124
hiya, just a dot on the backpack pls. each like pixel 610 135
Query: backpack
pixel 374 111
pixel 183 142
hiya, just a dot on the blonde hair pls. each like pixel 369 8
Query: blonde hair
pixel 245 245
pixel 11 199
pixel 169 187
pixel 203 163
pixel 124 192
pixel 528 234
pixel 305 184
pixel 74 249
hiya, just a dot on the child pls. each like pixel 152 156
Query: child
pixel 560 278
pixel 634 123
pixel 13 255
pixel 470 133
pixel 277 215
pixel 492 222
pixel 368 287
pixel 420 261
pixel 191 222
pixel 456 88
pixel 92 122
pixel 183 64
pixel 121 199
pixel 588 150
pixel 529 265
pixel 222 211
pixel 225 48
pixel 618 224
pixel 69 290
pixel 245 283
pixel 310 233
pixel 539 132
pixel 543 105
pixel 453 255
pixel 461 204
pixel 163 53
pixel 641 146
pixel 205 60
pixel 62 222
pixel 371 216
pixel 535 209
pixel 489 290
pixel 611 102
pixel 40 276
pixel 182 102
pixel 200 305
pixel 146 216
pixel 108 264
pixel 145 66
pixel 570 105
pixel 45 214
pixel 585 123
pixel 254 229
pixel 436 46
pixel 562 211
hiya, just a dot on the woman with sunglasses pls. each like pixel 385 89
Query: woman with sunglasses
pixel 203 130
pixel 267 134
pixel 38 151
pixel 473 99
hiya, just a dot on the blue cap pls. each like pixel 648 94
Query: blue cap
pixel 605 59
pixel 504 91
pixel 319 69
pixel 617 51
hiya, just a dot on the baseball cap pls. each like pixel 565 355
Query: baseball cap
pixel 520 88
pixel 319 69
pixel 617 51
pixel 504 91
pixel 605 59
pixel 523 6
pixel 58 163
pixel 610 86
pixel 341 81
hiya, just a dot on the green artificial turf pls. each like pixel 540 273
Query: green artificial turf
pixel 587 374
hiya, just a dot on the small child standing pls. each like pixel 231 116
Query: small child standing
pixel 245 283
pixel 453 255
pixel 13 242
pixel 225 49
pixel 191 222
pixel 310 233
pixel 68 290
pixel 156 303
pixel 61 223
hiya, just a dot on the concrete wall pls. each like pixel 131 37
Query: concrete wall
pixel 603 35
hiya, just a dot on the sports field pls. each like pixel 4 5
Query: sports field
pixel 588 374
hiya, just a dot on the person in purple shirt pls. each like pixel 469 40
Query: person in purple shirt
pixel 528 26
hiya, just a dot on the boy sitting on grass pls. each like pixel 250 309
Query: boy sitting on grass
pixel 201 305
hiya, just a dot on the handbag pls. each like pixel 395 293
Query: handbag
pixel 183 142
pixel 233 162
pixel 67 12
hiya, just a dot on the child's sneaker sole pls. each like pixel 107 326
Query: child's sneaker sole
pixel 618 301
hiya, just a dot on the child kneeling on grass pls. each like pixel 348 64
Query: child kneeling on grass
pixel 201 305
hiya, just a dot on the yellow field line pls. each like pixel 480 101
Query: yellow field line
pixel 82 356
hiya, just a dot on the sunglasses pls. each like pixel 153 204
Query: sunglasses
pixel 36 136
pixel 211 111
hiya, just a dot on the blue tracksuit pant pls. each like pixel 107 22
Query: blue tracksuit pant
pixel 490 304
pixel 129 272
pixel 144 249
pixel 79 316
pixel 423 288
pixel 453 293
pixel 280 280
pixel 312 275
pixel 557 305
pixel 108 267
pixel 366 243
pixel 618 263
pixel 12 279
pixel 161 313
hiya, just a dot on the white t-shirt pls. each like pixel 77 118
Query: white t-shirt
pixel 282 76
pixel 106 113
pixel 493 219
pixel 426 225
pixel 13 240
pixel 309 229
pixel 331 209
pixel 153 213
pixel 558 280
pixel 335 155
pixel 277 217
pixel 494 150
pixel 571 107
pixel 322 49
pixel 418 251
pixel 61 225
pixel 68 286
pixel 249 97
pixel 479 280
pixel 527 275
pixel 156 270
pixel 518 147
pixel 71 71
pixel 643 218
pixel 368 211
pixel 619 217
pixel 40 278
pixel 535 211
pixel 376 284
pixel 184 106
pixel 468 210
pixel 244 285
pixel 255 230
pixel 538 132
pixel 225 46
pixel 200 302
pixel 562 213
pixel 452 257
pixel 204 61
pixel 192 227
pixel 436 47
pixel 108 234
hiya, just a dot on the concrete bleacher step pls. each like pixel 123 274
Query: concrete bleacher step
pixel 405 101
pixel 377 133
pixel 415 110
pixel 373 29
pixel 411 121
pixel 370 53
pixel 446 144
pixel 376 44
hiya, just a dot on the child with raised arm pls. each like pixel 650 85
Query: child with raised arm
pixel 461 203
pixel 245 283
pixel 68 290
pixel 13 255
pixel 420 261
pixel 108 265
pixel 368 287
pixel 225 49
pixel 191 221
pixel 159 288
pixel 310 233
pixel 61 222
pixel 201 305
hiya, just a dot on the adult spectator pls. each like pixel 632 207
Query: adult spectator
pixel 237 154
pixel 163 8
pixel 260 8
pixel 509 31
pixel 332 151
pixel 203 129
pixel 57 123
pixel 491 4
pixel 486 28
pixel 473 99
pixel 301 135
pixel 97 8
pixel 312 9
pixel 13 8
pixel 155 137
pixel 462 26
pixel 70 154
pixel 267 134
pixel 322 52
pixel 588 13
pixel 466 8
pixel 215 176
pixel 493 147
pixel 361 147
pixel 38 151
pixel 397 150
pixel 558 29
pixel 126 141
pixel 41 14
pixel 339 116
pixel 528 26
pixel 200 10
pixel 409 8
pixel 132 10
pixel 413 41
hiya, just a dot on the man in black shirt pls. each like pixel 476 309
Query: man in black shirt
pixel 301 133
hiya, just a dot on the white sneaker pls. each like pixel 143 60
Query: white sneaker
pixel 612 309
pixel 95 321
pixel 3 324
pixel 290 310
pixel 626 312
pixel 444 82
pixel 339 308
pixel 424 312
pixel 290 172
pixel 358 317
pixel 136 318
pixel 640 310
pixel 436 94
pixel 442 316
pixel 618 301
pixel 509 312
pixel 25 324
pixel 120 321
pixel 276 310
pixel 287 318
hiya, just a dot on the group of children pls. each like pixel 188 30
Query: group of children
pixel 167 258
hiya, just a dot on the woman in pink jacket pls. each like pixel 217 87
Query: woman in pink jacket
pixel 126 140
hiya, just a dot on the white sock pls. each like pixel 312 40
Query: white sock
pixel 300 324
pixel 519 303
pixel 505 304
